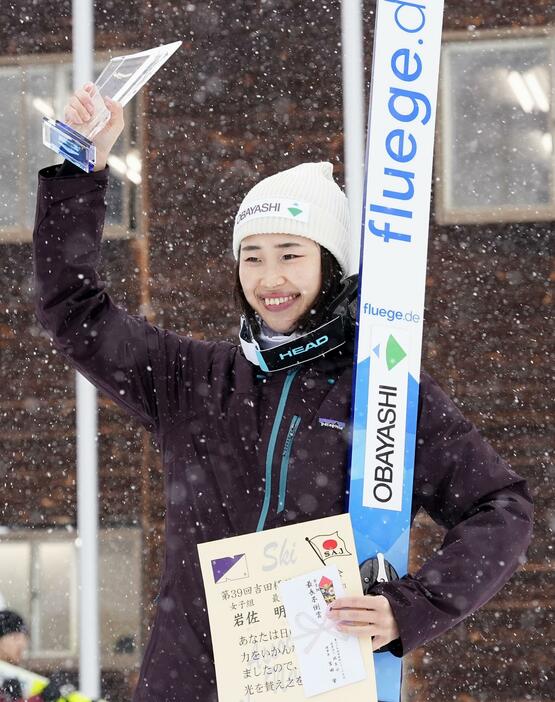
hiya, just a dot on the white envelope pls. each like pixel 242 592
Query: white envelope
pixel 327 658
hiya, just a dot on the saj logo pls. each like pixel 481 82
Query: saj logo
pixel 327 546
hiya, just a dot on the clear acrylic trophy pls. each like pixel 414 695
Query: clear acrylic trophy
pixel 122 78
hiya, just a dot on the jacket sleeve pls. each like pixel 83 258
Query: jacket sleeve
pixel 465 487
pixel 148 371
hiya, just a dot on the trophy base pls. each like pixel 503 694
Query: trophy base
pixel 69 144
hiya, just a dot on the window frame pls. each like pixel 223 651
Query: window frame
pixel 446 214
pixel 20 234
pixel 47 659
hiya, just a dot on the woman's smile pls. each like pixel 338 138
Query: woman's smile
pixel 281 277
pixel 278 303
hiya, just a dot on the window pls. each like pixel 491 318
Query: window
pixel 39 578
pixel 36 87
pixel 496 157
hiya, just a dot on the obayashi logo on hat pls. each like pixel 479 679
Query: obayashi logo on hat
pixel 295 210
pixel 274 207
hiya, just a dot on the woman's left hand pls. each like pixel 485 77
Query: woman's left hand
pixel 363 616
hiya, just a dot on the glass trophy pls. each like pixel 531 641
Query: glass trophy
pixel 122 78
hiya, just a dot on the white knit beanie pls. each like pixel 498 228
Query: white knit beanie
pixel 304 200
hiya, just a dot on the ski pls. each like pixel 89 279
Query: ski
pixel 32 684
pixel 394 232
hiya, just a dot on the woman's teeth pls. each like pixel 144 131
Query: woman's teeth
pixel 269 301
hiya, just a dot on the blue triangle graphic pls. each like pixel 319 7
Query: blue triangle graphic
pixel 376 350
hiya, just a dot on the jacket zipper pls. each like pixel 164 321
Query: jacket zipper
pixel 285 461
pixel 272 446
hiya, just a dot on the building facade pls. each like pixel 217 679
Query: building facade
pixel 256 88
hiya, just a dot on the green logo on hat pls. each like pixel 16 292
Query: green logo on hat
pixel 295 210
pixel 394 352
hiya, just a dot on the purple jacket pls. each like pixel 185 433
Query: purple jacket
pixel 241 448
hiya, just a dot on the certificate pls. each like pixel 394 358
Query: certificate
pixel 267 595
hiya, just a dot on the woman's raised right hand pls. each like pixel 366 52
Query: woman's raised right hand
pixel 78 112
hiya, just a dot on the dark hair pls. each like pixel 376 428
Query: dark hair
pixel 11 623
pixel 312 318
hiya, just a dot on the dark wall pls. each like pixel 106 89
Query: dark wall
pixel 255 88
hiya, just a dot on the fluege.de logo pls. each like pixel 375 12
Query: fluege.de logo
pixel 405 99
pixel 390 314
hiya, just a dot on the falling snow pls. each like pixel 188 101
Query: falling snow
pixel 255 88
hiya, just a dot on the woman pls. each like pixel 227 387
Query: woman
pixel 238 426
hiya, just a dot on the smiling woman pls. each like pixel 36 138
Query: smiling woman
pixel 315 314
pixel 259 444
pixel 291 241
pixel 281 276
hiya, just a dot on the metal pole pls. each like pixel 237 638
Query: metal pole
pixel 86 430
pixel 353 116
